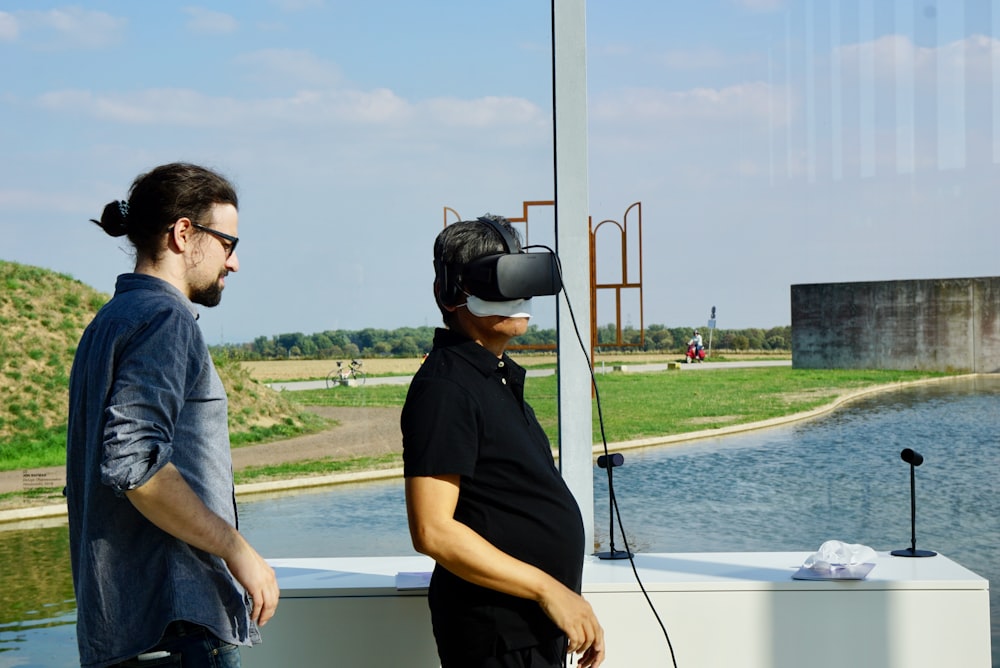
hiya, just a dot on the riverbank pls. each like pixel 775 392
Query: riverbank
pixel 364 432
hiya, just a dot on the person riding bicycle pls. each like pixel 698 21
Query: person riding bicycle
pixel 346 373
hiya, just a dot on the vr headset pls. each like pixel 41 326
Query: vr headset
pixel 502 276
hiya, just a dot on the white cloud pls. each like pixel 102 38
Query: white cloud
pixel 885 56
pixel 747 103
pixel 8 27
pixel 70 27
pixel 484 112
pixel 172 107
pixel 209 22
pixel 704 58
pixel 891 55
pixel 379 106
pixel 292 67
pixel 190 108
pixel 972 57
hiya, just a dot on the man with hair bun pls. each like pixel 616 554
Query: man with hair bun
pixel 162 575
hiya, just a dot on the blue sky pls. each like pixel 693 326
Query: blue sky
pixel 770 142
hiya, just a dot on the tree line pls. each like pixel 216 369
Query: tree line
pixel 415 341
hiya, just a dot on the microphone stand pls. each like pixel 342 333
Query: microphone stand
pixel 609 462
pixel 914 459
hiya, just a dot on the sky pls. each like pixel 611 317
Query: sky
pixel 768 143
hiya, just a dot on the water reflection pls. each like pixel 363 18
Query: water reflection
pixel 840 477
pixel 37 606
pixel 787 488
pixel 344 521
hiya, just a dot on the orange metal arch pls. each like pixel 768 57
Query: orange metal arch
pixel 625 283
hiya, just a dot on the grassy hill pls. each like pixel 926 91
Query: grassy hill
pixel 42 316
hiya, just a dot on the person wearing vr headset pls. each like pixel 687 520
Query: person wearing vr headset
pixel 484 497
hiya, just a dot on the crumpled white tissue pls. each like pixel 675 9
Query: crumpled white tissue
pixel 834 553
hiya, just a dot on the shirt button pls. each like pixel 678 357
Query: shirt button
pixel 500 364
pixel 503 380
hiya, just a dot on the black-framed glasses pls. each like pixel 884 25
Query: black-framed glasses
pixel 231 248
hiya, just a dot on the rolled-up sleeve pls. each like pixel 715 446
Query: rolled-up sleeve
pixel 144 404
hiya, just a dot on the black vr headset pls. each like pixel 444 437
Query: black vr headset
pixel 502 276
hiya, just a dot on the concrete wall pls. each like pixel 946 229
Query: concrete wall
pixel 938 324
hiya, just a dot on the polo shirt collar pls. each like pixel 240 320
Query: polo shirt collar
pixel 479 357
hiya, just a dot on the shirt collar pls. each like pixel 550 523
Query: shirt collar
pixel 479 357
pixel 134 281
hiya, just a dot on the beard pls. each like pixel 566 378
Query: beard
pixel 208 295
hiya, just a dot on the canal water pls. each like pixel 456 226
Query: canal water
pixel 786 488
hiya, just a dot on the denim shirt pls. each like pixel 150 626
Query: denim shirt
pixel 144 392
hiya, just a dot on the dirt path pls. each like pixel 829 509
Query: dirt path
pixel 360 432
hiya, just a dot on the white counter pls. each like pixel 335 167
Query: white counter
pixel 732 610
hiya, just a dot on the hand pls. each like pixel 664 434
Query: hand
pixel 592 658
pixel 168 501
pixel 576 618
pixel 258 578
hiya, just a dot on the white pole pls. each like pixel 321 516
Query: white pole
pixel 569 102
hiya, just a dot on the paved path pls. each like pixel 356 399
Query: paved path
pixel 601 369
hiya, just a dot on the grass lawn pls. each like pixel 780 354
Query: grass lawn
pixel 641 405
pixel 633 406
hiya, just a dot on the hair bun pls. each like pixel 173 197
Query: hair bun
pixel 114 218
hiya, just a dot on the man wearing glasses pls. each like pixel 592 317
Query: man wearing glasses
pixel 161 574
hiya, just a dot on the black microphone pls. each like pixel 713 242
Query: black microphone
pixel 609 462
pixel 914 459
pixel 617 459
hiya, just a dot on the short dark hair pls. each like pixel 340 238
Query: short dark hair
pixel 158 198
pixel 457 245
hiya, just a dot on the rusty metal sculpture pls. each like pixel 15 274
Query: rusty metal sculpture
pixel 630 279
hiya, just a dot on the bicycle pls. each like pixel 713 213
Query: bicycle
pixel 351 375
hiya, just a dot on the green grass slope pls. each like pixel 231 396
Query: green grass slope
pixel 42 316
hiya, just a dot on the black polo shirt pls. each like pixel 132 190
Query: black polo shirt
pixel 465 415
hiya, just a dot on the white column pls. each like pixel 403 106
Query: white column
pixel 569 51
